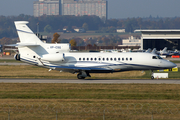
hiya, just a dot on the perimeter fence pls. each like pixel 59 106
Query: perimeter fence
pixel 88 111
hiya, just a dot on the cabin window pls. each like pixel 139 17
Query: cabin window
pixel 79 59
pixel 95 59
pixel 122 59
pixel 114 59
pixel 111 59
pixel 126 58
pixel 107 59
pixel 91 59
pixel 130 59
pixel 119 59
pixel 87 58
pixel 103 59
pixel 83 58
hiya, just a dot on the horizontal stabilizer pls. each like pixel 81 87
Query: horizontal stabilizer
pixel 23 45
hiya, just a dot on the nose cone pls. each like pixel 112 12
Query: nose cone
pixel 170 65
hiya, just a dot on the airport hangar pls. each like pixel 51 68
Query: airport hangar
pixel 160 38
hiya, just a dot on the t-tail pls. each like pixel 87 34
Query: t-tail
pixel 33 50
pixel 26 36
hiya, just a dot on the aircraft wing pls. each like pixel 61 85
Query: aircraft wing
pixel 77 69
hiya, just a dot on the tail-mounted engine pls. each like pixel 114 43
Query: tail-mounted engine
pixel 17 57
pixel 53 57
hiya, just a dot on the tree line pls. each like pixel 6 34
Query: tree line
pixel 57 23
pixel 109 40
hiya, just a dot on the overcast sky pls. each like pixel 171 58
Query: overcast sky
pixel 116 8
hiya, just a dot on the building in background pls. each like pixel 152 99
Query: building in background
pixel 120 30
pixel 71 7
pixel 132 41
pixel 46 7
pixel 85 7
pixel 159 39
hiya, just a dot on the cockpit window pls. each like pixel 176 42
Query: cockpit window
pixel 160 57
pixel 156 57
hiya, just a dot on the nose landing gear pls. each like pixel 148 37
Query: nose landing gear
pixel 152 75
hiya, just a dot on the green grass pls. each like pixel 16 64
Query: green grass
pixel 97 97
pixel 9 61
pixel 94 92
pixel 84 96
pixel 74 98
pixel 29 71
pixel 174 61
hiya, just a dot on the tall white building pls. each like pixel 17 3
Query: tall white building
pixel 71 7
pixel 85 7
pixel 46 7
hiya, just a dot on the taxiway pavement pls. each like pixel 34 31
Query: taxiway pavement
pixel 92 81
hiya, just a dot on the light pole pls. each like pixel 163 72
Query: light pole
pixel 38 29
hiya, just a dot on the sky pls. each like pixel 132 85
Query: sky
pixel 116 8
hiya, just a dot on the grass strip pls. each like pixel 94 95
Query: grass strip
pixel 9 61
pixel 23 71
pixel 89 91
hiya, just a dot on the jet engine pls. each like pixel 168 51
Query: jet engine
pixel 53 57
pixel 17 57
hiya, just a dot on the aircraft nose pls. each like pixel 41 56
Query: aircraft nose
pixel 171 65
pixel 174 65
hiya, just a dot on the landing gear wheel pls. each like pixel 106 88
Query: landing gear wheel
pixel 152 75
pixel 80 77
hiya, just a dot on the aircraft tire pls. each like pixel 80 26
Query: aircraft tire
pixel 80 77
pixel 152 77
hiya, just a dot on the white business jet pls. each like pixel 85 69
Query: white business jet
pixel 57 57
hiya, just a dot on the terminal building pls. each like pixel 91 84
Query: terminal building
pixel 71 7
pixel 160 38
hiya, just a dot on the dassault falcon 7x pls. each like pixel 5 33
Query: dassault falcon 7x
pixel 58 57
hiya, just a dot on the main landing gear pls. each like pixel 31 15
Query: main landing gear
pixel 83 75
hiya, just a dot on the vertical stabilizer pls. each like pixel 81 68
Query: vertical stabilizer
pixel 25 34
pixel 164 50
pixel 154 51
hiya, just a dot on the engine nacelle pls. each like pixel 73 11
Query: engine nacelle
pixel 17 57
pixel 53 57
